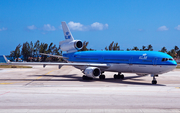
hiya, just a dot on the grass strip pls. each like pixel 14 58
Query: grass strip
pixel 14 66
pixel 178 67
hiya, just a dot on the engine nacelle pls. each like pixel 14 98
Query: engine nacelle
pixel 71 46
pixel 92 72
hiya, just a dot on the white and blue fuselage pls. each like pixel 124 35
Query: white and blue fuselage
pixel 140 62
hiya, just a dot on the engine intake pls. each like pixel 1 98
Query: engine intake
pixel 92 72
pixel 72 45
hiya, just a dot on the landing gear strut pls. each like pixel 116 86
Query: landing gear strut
pixel 154 81
pixel 118 76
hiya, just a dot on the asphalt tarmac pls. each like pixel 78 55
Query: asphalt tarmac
pixel 54 90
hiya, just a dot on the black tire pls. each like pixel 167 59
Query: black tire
pixel 115 76
pixel 102 77
pixel 122 76
pixel 118 76
pixel 154 82
pixel 84 77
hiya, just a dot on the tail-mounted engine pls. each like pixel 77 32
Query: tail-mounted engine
pixel 71 45
pixel 92 72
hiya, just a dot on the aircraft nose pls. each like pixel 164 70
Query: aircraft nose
pixel 174 63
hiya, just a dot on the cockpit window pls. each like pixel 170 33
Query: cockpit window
pixel 166 59
pixel 171 59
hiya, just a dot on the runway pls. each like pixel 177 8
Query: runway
pixel 62 90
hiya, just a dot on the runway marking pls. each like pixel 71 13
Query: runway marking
pixel 29 82
pixel 5 83
pixel 4 93
pixel 40 77
pixel 46 74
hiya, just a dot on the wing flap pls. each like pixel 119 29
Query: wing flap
pixel 57 63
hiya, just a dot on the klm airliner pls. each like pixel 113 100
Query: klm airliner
pixel 94 63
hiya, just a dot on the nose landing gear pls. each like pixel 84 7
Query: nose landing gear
pixel 154 81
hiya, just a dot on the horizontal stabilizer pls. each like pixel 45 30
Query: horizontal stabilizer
pixel 58 56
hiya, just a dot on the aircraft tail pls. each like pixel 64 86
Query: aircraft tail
pixel 69 44
pixel 66 31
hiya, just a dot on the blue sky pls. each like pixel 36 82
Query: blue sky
pixel 128 22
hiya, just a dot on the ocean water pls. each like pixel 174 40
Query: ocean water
pixel 2 59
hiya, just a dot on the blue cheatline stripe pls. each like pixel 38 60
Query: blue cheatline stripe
pixel 122 63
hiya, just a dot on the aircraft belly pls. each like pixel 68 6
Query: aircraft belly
pixel 133 68
pixel 118 67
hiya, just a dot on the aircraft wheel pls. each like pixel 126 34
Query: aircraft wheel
pixel 102 77
pixel 154 82
pixel 122 76
pixel 84 77
pixel 115 76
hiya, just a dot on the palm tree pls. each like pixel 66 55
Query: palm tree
pixel 164 50
pixel 176 48
pixel 135 48
pixel 150 48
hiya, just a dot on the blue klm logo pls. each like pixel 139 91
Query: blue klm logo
pixel 67 36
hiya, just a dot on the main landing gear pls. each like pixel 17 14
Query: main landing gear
pixel 154 81
pixel 118 76
pixel 84 77
pixel 102 77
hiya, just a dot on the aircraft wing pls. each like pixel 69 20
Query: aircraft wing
pixel 57 63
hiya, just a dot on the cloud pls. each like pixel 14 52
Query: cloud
pixel 178 27
pixel 99 26
pixel 162 28
pixel 48 27
pixel 80 27
pixel 76 26
pixel 31 27
pixel 3 29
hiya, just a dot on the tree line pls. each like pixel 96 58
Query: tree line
pixel 175 52
pixel 30 51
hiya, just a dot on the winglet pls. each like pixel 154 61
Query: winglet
pixel 7 61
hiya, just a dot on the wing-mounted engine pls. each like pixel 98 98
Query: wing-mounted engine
pixel 69 46
pixel 92 72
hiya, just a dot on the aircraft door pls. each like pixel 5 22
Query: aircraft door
pixel 130 61
pixel 130 67
pixel 155 61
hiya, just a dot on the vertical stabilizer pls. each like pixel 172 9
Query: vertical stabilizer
pixel 7 61
pixel 66 31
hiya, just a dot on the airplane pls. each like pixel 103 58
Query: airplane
pixel 94 63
